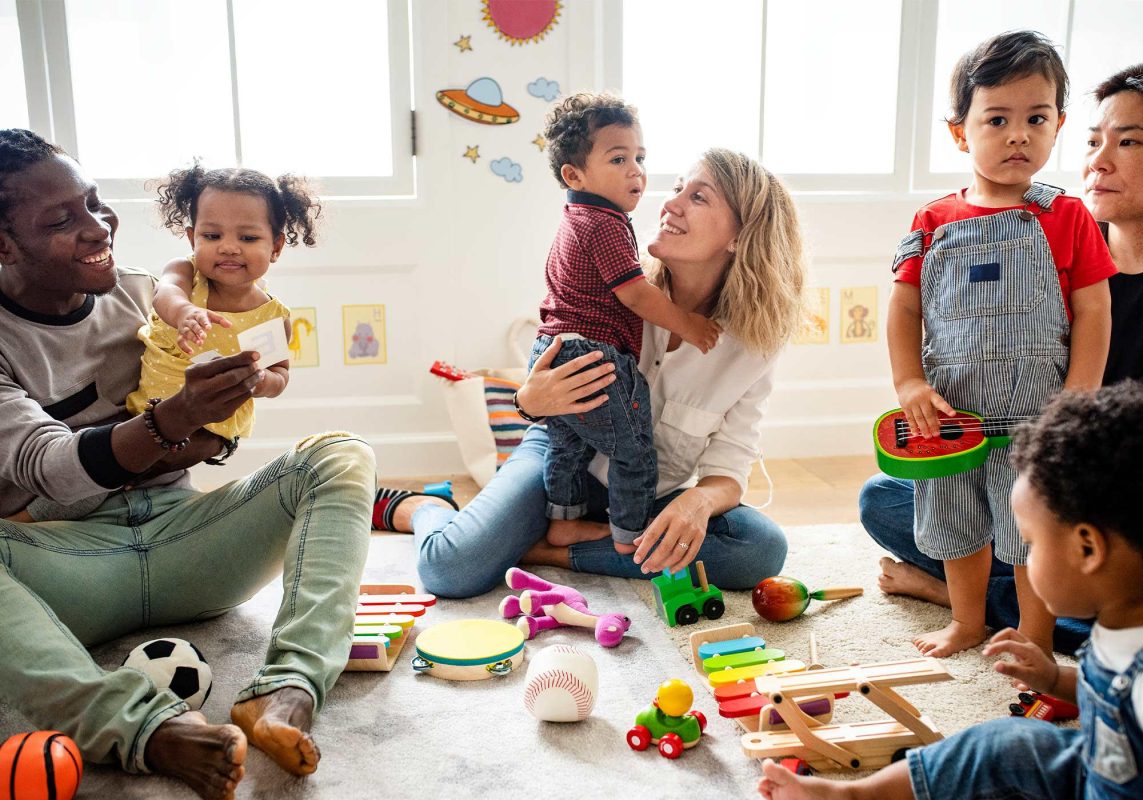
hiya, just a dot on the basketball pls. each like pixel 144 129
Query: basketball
pixel 42 765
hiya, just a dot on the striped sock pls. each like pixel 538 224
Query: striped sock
pixel 386 502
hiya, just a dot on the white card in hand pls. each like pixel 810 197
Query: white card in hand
pixel 202 358
pixel 269 340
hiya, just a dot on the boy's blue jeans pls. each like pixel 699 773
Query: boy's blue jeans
pixel 619 429
pixel 161 556
pixel 1003 759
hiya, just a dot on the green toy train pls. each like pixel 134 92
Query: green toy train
pixel 680 602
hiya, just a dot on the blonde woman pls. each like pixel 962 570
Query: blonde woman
pixel 728 246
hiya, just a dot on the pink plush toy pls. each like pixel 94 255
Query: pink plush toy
pixel 545 606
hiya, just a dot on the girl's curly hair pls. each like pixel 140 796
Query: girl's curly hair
pixel 294 208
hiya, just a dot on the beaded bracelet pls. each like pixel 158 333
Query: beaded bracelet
pixel 523 414
pixel 153 429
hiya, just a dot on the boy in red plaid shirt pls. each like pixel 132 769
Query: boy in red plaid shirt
pixel 597 300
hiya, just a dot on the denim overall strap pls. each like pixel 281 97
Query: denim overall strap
pixel 995 343
pixel 1113 741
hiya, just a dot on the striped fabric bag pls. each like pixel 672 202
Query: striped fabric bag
pixel 479 404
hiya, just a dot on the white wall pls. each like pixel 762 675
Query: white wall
pixel 456 265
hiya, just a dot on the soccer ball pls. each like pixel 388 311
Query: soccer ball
pixel 174 664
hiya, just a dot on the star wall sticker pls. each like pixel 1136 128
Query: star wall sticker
pixel 540 141
pixel 472 153
pixel 463 44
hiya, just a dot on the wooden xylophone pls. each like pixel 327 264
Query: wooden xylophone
pixel 385 613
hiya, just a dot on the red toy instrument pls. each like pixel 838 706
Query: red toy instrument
pixel 780 598
pixel 449 372
pixel 963 444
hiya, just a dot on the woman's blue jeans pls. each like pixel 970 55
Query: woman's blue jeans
pixel 886 506
pixel 466 553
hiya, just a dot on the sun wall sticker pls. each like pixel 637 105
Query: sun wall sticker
pixel 521 21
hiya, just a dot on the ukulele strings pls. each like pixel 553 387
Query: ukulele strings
pixel 979 426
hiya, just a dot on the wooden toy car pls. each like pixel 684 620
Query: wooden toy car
pixel 668 722
pixel 680 602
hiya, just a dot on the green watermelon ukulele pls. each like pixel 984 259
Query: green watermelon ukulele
pixel 963 444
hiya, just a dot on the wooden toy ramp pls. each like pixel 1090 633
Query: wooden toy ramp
pixel 861 745
pixel 385 615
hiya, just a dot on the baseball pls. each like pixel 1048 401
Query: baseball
pixel 561 684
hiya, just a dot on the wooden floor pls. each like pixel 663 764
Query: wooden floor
pixel 807 491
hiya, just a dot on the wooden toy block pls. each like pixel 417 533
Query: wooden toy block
pixel 723 677
pixel 746 658
pixel 711 649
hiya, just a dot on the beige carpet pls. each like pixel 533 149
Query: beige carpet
pixel 402 735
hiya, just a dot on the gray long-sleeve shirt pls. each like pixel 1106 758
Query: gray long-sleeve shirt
pixel 63 381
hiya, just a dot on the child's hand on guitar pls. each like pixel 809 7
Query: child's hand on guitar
pixel 923 406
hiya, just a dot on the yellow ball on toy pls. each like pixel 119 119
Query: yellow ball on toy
pixel 674 697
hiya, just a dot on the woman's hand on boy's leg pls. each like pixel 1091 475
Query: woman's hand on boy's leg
pixel 549 392
pixel 1029 668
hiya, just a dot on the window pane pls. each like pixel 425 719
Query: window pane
pixel 313 86
pixel 813 51
pixel 965 24
pixel 1105 39
pixel 13 100
pixel 694 72
pixel 151 83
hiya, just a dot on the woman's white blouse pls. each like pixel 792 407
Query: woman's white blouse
pixel 706 410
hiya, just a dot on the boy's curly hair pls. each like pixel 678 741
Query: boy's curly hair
pixel 294 208
pixel 20 149
pixel 570 125
pixel 1084 457
pixel 1006 57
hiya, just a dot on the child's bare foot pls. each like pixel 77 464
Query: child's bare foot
pixel 620 547
pixel 952 638
pixel 901 577
pixel 778 783
pixel 278 724
pixel 566 532
pixel 208 758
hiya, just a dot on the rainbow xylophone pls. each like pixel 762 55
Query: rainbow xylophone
pixel 385 613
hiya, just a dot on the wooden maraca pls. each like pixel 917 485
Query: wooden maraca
pixel 780 599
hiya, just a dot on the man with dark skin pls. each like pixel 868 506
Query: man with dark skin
pixel 59 282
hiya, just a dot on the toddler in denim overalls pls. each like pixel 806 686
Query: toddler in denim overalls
pixel 597 300
pixel 1080 512
pixel 1009 279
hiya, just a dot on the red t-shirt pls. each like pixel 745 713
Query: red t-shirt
pixel 594 253
pixel 1078 248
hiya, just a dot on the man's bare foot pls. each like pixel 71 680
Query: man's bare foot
pixel 778 783
pixel 901 577
pixel 278 724
pixel 542 554
pixel 566 532
pixel 620 547
pixel 952 638
pixel 208 758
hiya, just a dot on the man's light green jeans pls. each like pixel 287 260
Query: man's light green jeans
pixel 160 556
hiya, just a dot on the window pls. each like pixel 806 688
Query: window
pixel 773 79
pixel 13 105
pixel 836 95
pixel 138 87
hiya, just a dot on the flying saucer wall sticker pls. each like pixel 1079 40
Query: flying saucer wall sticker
pixel 481 101
pixel 521 21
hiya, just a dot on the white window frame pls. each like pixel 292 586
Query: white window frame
pixel 51 111
pixel 913 131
